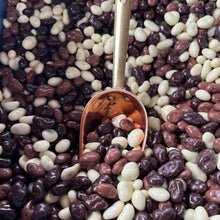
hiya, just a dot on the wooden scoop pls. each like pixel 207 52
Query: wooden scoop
pixel 115 101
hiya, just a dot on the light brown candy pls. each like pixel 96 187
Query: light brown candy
pixel 216 145
pixel 216 97
pixel 134 155
pixel 175 116
pixel 89 159
pixel 217 106
pixel 193 131
pixel 112 156
pixel 214 116
pixel 118 166
pixel 104 168
pixel 205 107
pixel 213 88
pixel 213 195
pixel 169 126
pixel 106 190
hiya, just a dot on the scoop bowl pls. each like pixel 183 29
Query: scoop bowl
pixel 109 104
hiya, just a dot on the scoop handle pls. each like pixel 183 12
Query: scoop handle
pixel 121 28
